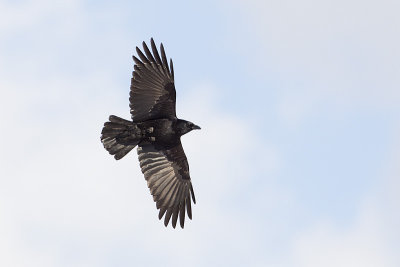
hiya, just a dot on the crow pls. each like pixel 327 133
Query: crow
pixel 157 132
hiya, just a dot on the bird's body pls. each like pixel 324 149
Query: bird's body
pixel 159 132
pixel 156 131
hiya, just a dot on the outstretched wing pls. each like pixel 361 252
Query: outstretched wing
pixel 167 175
pixel 152 94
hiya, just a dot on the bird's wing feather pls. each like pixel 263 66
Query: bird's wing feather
pixel 152 94
pixel 167 175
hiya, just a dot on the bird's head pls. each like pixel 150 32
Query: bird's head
pixel 186 126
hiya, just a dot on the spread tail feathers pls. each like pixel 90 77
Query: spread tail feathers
pixel 119 136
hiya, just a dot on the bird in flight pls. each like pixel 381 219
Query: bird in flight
pixel 157 132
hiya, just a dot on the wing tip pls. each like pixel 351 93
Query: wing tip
pixel 192 193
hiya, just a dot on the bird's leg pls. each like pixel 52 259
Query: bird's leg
pixel 149 131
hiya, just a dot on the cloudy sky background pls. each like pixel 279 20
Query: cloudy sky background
pixel 297 162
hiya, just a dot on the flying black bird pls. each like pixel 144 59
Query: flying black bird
pixel 157 132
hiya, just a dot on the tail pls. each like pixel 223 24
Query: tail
pixel 119 136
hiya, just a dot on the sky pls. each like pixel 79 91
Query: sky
pixel 297 162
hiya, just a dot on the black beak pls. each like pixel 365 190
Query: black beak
pixel 195 127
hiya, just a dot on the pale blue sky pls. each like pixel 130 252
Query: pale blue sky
pixel 297 162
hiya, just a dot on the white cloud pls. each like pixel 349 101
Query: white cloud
pixel 62 192
pixel 26 14
pixel 362 244
pixel 338 55
pixel 66 202
pixel 372 239
pixel 333 57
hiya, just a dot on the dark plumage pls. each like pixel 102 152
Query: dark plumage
pixel 156 131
